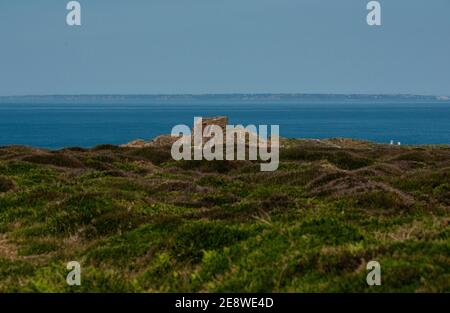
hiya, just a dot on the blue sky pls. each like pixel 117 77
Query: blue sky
pixel 224 46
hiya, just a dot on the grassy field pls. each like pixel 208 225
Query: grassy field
pixel 138 221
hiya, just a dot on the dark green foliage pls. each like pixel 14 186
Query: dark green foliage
pixel 210 166
pixel 54 159
pixel 139 221
pixel 106 147
pixel 155 155
pixel 6 184
pixel 345 160
pixel 330 231
pixel 380 200
pixel 197 237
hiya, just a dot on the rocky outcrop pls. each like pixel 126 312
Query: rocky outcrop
pixel 159 141
pixel 221 121
pixel 168 140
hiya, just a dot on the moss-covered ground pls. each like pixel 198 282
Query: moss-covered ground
pixel 137 221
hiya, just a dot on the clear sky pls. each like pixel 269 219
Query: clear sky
pixel 224 46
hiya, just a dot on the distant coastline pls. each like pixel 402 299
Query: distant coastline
pixel 247 97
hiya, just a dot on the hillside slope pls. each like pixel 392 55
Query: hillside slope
pixel 138 221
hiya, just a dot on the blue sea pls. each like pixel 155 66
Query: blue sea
pixel 86 121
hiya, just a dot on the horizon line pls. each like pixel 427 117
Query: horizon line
pixel 227 94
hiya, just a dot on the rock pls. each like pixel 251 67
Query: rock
pixel 138 143
pixel 221 121
pixel 163 140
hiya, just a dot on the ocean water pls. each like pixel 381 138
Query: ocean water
pixel 56 122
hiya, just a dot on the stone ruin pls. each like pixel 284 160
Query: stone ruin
pixel 221 121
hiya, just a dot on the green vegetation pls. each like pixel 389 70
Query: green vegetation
pixel 138 221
